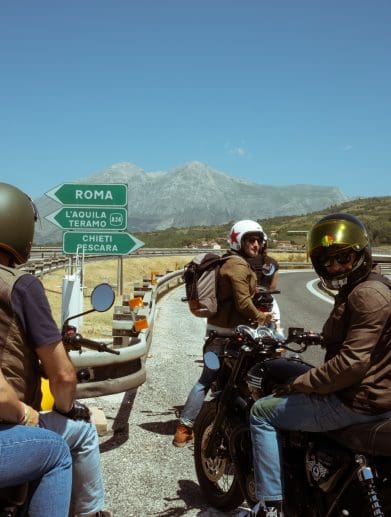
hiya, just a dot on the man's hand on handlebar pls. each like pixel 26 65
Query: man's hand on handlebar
pixel 281 390
pixel 268 318
pixel 78 411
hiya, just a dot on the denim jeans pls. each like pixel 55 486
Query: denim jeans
pixel 200 389
pixel 82 438
pixel 197 396
pixel 298 411
pixel 30 454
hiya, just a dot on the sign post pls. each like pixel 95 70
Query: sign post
pixel 95 218
pixel 95 214
pixel 102 194
pixel 100 243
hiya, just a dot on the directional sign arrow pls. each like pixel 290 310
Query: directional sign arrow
pixel 103 194
pixel 100 243
pixel 94 218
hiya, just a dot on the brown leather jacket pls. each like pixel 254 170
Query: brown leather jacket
pixel 236 288
pixel 357 336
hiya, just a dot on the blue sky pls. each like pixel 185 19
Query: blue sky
pixel 278 92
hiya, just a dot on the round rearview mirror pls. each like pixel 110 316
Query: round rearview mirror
pixel 102 297
pixel 211 361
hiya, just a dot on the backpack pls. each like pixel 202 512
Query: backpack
pixel 201 277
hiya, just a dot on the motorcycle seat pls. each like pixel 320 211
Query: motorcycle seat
pixel 373 438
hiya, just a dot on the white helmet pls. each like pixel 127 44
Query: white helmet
pixel 240 229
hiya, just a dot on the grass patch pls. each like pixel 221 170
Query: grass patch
pixel 95 272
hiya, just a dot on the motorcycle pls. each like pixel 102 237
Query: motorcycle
pixel 339 473
pixel 14 500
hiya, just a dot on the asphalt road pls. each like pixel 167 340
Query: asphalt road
pixel 145 475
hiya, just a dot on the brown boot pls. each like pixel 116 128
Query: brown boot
pixel 183 435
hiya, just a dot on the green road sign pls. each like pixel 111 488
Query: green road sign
pixel 100 243
pixel 94 218
pixel 78 194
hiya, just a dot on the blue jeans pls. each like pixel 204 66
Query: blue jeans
pixel 200 389
pixel 298 411
pixel 82 438
pixel 30 454
pixel 197 396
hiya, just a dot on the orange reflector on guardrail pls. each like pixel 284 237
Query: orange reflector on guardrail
pixel 140 325
pixel 136 302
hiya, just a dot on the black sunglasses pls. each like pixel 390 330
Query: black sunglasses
pixel 343 257
pixel 252 239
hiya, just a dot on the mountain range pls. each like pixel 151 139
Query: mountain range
pixel 194 194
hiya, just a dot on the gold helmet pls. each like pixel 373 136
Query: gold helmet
pixel 334 234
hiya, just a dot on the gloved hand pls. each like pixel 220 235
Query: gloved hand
pixel 283 389
pixel 78 411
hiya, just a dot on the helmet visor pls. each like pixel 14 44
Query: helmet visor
pixel 339 233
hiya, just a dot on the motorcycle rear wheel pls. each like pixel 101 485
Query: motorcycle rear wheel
pixel 216 476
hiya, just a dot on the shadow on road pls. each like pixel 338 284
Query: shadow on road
pixel 165 428
pixel 189 493
pixel 120 425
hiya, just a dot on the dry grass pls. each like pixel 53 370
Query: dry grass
pixel 134 271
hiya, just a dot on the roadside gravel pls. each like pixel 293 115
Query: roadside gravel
pixel 145 475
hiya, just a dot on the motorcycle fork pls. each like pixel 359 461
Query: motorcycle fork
pixel 223 401
pixel 367 480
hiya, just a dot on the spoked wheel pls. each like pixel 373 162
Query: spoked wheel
pixel 217 476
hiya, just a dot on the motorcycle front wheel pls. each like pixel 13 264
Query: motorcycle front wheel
pixel 216 476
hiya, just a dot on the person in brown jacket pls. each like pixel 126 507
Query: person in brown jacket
pixel 236 289
pixel 353 385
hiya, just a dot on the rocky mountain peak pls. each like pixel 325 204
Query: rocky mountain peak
pixel 196 194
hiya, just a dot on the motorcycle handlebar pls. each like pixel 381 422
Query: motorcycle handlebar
pixel 76 341
pixel 267 340
pixel 261 290
pixel 308 338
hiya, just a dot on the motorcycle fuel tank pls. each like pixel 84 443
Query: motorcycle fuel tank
pixel 281 370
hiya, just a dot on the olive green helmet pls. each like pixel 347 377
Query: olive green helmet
pixel 17 217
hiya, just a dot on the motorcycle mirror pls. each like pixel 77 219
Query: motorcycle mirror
pixel 102 297
pixel 211 361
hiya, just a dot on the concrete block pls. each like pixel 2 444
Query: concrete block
pixel 99 419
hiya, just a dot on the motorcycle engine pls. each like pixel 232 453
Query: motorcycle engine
pixel 254 380
pixel 325 466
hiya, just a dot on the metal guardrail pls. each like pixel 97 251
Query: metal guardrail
pixel 110 374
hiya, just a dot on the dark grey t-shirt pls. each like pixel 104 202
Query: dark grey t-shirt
pixel 32 308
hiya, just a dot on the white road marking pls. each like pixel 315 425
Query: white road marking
pixel 311 288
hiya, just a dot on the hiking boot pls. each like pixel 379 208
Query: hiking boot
pixel 183 435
